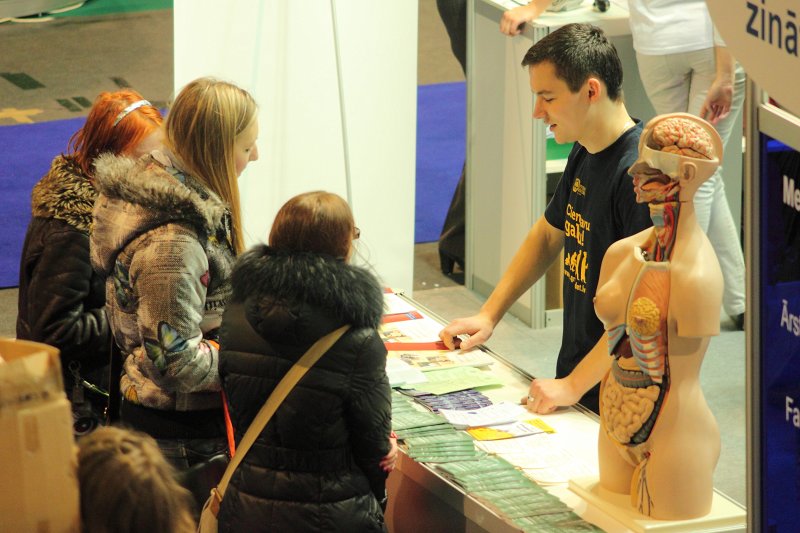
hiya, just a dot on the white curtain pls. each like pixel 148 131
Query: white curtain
pixel 336 85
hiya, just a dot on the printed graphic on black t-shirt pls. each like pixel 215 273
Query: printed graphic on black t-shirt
pixel 594 204
pixel 576 227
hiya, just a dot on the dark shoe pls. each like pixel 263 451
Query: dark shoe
pixel 738 321
pixel 457 276
pixel 602 5
pixel 448 262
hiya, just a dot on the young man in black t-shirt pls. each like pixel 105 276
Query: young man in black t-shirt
pixel 576 76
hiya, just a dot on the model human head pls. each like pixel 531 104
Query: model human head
pixel 126 485
pixel 119 122
pixel 677 152
pixel 318 221
pixel 576 75
pixel 212 129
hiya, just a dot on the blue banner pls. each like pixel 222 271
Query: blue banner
pixel 779 259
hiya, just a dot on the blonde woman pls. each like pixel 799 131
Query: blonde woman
pixel 167 228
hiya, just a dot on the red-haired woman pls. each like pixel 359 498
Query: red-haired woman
pixel 322 461
pixel 60 298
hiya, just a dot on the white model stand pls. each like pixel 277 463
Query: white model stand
pixel 725 514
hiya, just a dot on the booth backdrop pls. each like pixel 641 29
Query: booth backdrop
pixel 336 86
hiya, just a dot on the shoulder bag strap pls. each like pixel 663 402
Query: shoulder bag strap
pixel 275 399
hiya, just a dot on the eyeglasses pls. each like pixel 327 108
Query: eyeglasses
pixel 356 233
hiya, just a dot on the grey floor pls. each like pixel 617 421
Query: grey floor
pixel 534 351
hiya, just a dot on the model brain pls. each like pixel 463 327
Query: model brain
pixel 682 136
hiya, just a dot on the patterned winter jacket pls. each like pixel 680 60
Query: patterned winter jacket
pixel 163 242
pixel 60 297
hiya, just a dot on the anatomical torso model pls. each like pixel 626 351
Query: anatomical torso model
pixel 659 297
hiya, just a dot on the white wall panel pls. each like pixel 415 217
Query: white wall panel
pixel 285 53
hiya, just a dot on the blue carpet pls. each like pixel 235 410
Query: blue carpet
pixel 441 148
pixel 27 151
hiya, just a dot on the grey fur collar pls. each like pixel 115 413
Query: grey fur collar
pixel 330 284
pixel 148 183
pixel 66 194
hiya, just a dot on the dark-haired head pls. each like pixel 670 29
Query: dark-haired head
pixel 578 52
pixel 318 222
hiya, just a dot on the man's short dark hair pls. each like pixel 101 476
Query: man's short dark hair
pixel 578 51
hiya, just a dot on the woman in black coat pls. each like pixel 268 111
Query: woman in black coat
pixel 319 463
pixel 61 298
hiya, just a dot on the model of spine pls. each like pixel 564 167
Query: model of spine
pixel 659 296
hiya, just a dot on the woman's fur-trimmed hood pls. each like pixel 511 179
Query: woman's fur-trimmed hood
pixel 136 195
pixel 66 194
pixel 147 182
pixel 300 279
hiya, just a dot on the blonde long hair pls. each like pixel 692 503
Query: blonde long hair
pixel 201 130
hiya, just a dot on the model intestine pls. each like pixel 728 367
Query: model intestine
pixel 632 400
pixel 635 301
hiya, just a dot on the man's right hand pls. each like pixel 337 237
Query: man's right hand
pixel 479 328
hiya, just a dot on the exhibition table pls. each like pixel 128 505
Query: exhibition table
pixel 422 498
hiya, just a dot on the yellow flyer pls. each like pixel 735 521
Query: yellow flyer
pixel 520 428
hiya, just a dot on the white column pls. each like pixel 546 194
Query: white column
pixel 336 85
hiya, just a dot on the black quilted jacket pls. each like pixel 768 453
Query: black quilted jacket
pixel 60 297
pixel 315 466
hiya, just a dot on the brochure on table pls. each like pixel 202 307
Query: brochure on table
pixel 555 452
pixel 549 449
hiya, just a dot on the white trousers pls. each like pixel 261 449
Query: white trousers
pixel 679 83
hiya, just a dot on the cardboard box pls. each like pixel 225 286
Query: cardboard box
pixel 38 484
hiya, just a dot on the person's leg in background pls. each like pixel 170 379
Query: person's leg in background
pixel 454 17
pixel 679 83
pixel 452 238
pixel 717 220
pixel 666 81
